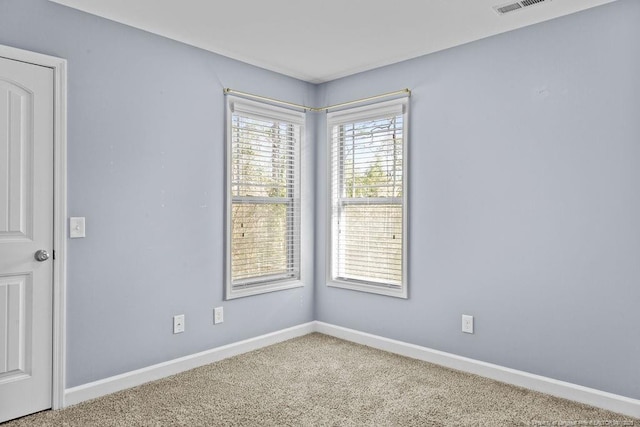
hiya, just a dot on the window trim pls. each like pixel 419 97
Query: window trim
pixel 399 106
pixel 259 109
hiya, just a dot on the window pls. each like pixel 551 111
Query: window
pixel 368 198
pixel 263 202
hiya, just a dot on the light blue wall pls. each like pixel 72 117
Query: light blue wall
pixel 524 201
pixel 146 168
pixel 525 163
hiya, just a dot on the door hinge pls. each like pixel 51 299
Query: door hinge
pixel 54 255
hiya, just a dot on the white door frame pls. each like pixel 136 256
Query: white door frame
pixel 59 67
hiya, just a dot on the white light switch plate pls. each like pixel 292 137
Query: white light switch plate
pixel 76 227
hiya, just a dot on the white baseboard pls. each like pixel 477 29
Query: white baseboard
pixel 127 380
pixel 613 402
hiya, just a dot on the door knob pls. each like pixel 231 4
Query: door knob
pixel 41 255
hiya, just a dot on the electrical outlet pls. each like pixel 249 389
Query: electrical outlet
pixel 218 315
pixel 178 324
pixel 467 324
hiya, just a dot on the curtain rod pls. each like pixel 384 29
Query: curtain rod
pixel 228 91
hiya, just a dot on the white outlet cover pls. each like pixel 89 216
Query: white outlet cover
pixel 467 324
pixel 218 315
pixel 178 324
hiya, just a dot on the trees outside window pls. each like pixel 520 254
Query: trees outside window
pixel 368 198
pixel 264 201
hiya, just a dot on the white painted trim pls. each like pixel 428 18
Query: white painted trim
pixel 59 67
pixel 377 109
pixel 116 383
pixel 267 111
pixel 613 402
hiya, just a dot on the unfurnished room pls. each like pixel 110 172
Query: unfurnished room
pixel 340 213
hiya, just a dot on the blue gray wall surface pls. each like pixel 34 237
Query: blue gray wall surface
pixel 146 168
pixel 524 201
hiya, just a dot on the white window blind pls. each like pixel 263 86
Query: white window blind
pixel 263 179
pixel 368 193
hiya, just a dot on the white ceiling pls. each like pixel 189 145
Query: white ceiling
pixel 322 40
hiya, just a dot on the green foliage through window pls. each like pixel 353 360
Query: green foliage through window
pixel 264 200
pixel 367 186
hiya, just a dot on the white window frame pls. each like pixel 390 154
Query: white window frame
pixel 378 110
pixel 270 112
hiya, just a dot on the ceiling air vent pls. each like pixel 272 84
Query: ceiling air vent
pixel 511 7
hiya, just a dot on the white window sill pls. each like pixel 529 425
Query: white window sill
pixel 370 288
pixel 263 289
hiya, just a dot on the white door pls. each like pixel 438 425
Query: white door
pixel 26 227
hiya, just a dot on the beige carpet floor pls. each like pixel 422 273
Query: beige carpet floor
pixel 317 380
